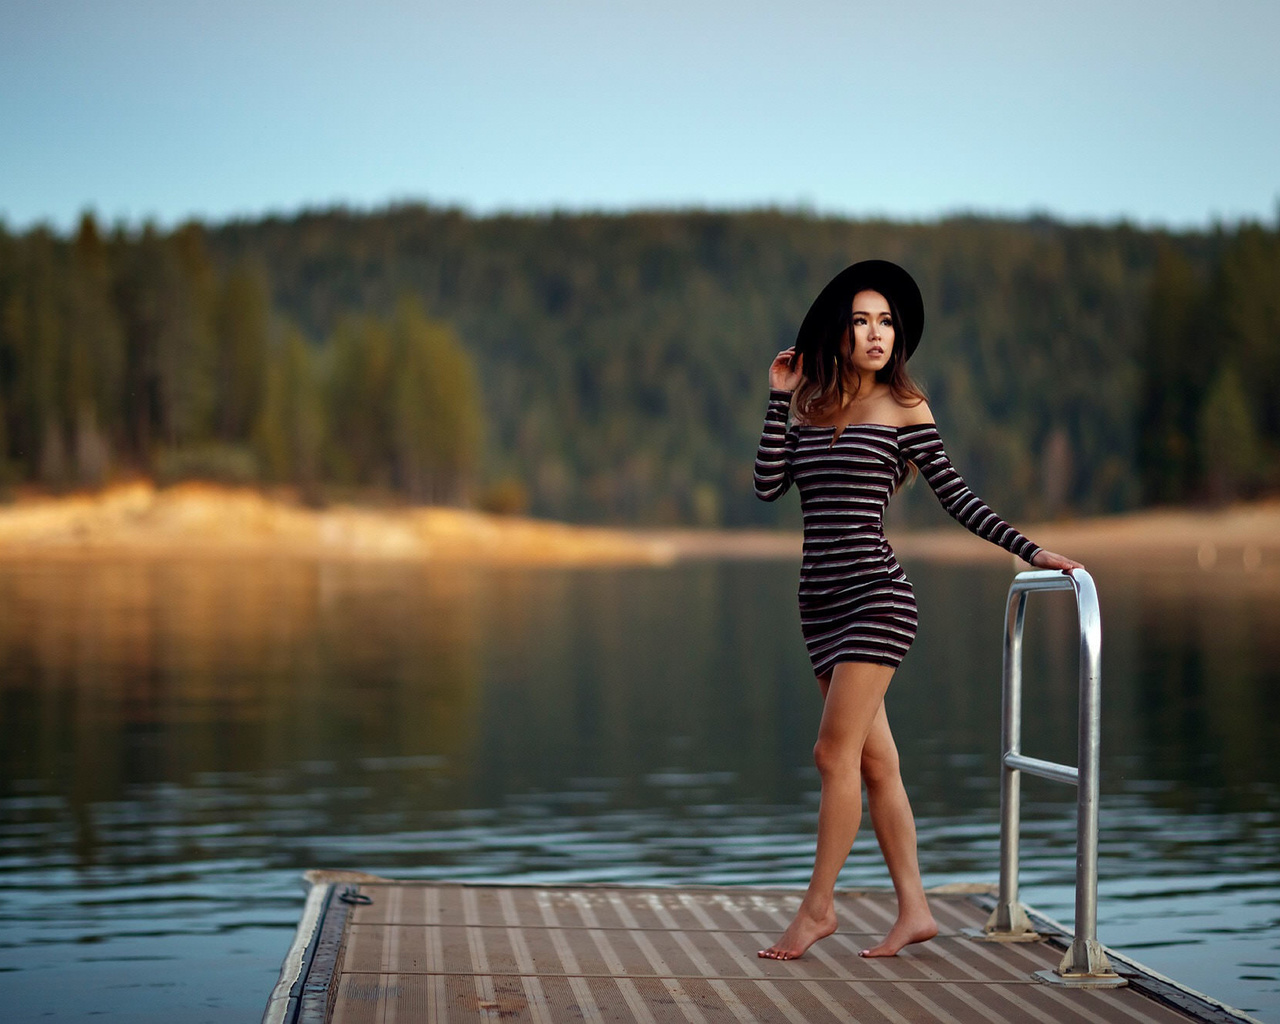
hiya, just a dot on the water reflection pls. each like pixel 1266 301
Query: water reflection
pixel 124 674
pixel 182 738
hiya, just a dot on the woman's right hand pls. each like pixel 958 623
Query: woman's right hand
pixel 783 376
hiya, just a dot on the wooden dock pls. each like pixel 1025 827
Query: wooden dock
pixel 400 952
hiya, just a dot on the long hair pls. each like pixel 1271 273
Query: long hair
pixel 828 373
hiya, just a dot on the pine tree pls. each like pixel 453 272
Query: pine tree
pixel 242 323
pixel 1228 438
pixel 436 419
pixel 94 345
pixel 34 322
pixel 289 436
pixel 1170 391
pixel 358 403
pixel 185 370
pixel 1246 306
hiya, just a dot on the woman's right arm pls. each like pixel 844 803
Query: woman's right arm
pixel 773 456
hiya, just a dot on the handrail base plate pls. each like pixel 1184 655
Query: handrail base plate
pixel 980 935
pixel 1110 980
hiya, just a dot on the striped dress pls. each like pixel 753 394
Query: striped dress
pixel 856 603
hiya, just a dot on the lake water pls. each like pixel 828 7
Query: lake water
pixel 181 740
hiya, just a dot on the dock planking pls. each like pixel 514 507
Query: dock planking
pixel 397 952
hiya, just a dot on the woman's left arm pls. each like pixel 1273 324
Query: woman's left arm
pixel 922 444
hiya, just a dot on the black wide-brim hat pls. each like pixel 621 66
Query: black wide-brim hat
pixel 889 279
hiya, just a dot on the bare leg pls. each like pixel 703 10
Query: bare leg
pixel 896 832
pixel 853 695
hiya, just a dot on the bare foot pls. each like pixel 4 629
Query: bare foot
pixel 905 930
pixel 801 933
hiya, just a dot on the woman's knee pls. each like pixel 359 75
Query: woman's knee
pixel 881 769
pixel 834 757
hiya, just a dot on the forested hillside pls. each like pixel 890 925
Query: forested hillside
pixel 613 367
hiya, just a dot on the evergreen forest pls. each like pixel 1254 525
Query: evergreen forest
pixel 613 367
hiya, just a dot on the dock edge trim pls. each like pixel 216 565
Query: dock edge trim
pixel 282 1006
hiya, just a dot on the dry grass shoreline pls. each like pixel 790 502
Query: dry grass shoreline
pixel 205 520
pixel 1247 535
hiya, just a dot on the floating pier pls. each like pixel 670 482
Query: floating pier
pixel 371 950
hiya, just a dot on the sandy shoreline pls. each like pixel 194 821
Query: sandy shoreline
pixel 201 520
pixel 1248 534
pixel 198 519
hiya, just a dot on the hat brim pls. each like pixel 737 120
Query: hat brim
pixel 889 279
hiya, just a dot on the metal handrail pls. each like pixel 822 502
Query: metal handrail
pixel 1085 962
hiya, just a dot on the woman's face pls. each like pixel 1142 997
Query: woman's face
pixel 871 332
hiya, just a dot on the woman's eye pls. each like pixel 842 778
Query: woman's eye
pixel 886 322
pixel 859 320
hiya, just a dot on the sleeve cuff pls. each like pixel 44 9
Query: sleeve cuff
pixel 779 401
pixel 779 406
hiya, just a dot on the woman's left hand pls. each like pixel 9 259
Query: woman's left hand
pixel 1051 560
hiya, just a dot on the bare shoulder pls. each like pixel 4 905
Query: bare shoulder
pixel 911 414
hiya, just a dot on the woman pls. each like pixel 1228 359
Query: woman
pixel 860 425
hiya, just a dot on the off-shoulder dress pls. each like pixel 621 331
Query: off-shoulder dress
pixel 856 603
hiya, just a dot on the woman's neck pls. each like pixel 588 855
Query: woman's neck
pixel 846 409
pixel 867 388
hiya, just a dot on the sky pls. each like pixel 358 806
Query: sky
pixel 1162 113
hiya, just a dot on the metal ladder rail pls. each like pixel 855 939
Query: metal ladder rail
pixel 1085 962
